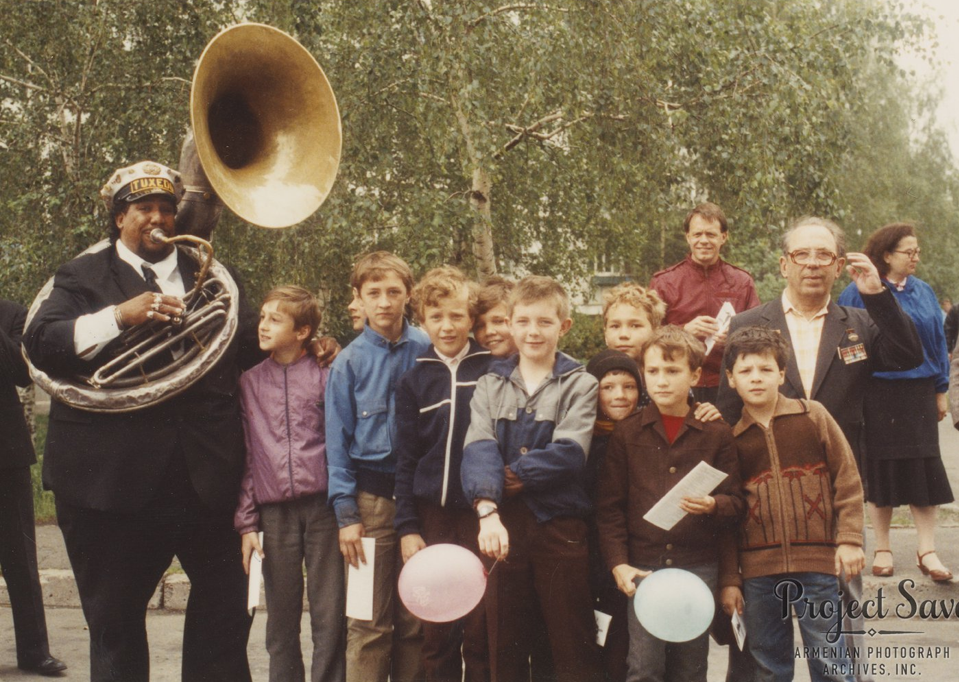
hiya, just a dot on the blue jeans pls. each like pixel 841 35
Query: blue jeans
pixel 770 636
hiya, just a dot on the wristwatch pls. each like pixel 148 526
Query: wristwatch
pixel 486 509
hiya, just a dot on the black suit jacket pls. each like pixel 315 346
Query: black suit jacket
pixel 890 339
pixel 116 462
pixel 16 446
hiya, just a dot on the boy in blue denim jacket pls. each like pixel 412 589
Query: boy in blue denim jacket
pixel 360 426
pixel 523 470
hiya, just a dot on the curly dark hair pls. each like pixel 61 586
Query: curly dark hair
pixel 756 341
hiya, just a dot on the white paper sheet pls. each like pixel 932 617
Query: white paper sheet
pixel 256 580
pixel 723 317
pixel 359 586
pixel 602 626
pixel 739 629
pixel 701 481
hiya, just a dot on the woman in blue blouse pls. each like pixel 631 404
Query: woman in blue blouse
pixel 902 463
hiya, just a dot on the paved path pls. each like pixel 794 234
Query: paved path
pixel 69 639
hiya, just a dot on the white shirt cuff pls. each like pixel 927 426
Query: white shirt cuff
pixel 93 332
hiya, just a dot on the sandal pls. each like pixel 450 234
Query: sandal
pixel 882 571
pixel 937 576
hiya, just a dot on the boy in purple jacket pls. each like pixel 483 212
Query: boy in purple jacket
pixel 284 490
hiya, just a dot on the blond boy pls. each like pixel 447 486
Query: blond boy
pixel 631 313
pixel 523 464
pixel 432 416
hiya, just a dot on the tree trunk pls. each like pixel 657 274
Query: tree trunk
pixel 483 249
pixel 482 226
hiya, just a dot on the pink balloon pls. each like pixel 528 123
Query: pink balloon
pixel 442 583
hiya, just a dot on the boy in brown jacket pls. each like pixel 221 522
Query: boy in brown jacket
pixel 804 517
pixel 648 453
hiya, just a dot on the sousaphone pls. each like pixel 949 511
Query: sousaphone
pixel 268 136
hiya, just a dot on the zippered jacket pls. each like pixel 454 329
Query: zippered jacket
pixel 285 432
pixel 803 492
pixel 360 416
pixel 543 437
pixel 690 290
pixel 432 417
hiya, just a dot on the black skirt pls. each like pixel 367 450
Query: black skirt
pixel 903 464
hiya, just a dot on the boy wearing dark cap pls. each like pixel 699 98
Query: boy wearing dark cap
pixel 619 391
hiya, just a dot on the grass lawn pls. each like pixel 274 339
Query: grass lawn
pixel 42 499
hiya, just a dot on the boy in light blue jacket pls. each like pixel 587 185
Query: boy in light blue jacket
pixel 360 428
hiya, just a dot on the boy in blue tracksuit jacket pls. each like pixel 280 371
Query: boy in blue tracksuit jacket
pixel 523 469
pixel 432 416
pixel 360 428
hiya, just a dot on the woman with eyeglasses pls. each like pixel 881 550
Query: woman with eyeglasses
pixel 902 463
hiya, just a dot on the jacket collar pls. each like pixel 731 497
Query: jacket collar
pixel 564 365
pixel 650 417
pixel 833 329
pixel 377 339
pixel 131 282
pixel 305 357
pixel 784 406
pixel 473 350
pixel 718 266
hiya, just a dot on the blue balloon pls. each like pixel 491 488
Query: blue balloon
pixel 674 605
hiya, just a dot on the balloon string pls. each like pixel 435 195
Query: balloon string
pixel 492 567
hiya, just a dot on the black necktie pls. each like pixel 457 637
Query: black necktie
pixel 151 278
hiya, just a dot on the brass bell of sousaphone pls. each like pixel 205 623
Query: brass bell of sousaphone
pixel 267 132
pixel 266 124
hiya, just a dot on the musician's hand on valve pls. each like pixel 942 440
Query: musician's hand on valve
pixel 148 306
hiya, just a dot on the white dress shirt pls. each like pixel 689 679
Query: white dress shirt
pixel 805 334
pixel 91 333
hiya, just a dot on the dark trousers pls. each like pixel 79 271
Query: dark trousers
pixel 442 642
pixel 616 649
pixel 547 560
pixel 18 559
pixel 118 560
pixel 297 533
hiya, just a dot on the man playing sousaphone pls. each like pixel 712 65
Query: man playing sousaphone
pixel 135 489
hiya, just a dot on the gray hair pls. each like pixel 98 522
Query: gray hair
pixel 807 221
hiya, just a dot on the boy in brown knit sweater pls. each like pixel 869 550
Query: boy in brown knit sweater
pixel 804 517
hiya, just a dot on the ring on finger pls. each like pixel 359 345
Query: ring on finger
pixel 157 298
pixel 150 314
pixel 155 307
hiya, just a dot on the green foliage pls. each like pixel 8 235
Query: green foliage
pixel 43 506
pixel 585 338
pixel 597 123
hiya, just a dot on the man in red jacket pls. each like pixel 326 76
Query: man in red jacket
pixel 697 287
